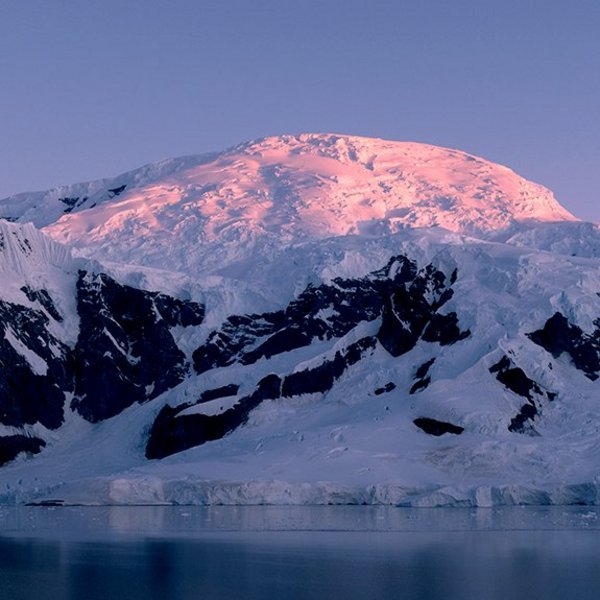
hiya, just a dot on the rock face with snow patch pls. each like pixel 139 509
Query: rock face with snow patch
pixel 313 318
pixel 36 369
pixel 125 352
pixel 559 336
pixel 319 313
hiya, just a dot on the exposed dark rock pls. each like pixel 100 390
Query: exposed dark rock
pixel 347 302
pixel 410 313
pixel 117 190
pixel 406 299
pixel 31 393
pixel 421 384
pixel 317 380
pixel 400 330
pixel 12 445
pixel 23 243
pixel 125 352
pixel 227 344
pixel 444 329
pixel 515 379
pixel 521 423
pixel 292 337
pixel 437 428
pixel 320 379
pixel 177 312
pixel 269 387
pixel 43 297
pixel 72 202
pixel 424 369
pixel 220 392
pixel 388 387
pixel 174 432
pixel 558 336
pixel 422 379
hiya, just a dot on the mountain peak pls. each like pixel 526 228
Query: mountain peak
pixel 283 190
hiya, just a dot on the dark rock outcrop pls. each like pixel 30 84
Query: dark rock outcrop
pixel 220 392
pixel 174 432
pixel 43 297
pixel 345 302
pixel 32 393
pixel 437 428
pixel 72 202
pixel 12 445
pixel 125 352
pixel 422 378
pixel 420 384
pixel 411 313
pixel 423 369
pixel 116 191
pixel 320 379
pixel 522 422
pixel 388 387
pixel 515 379
pixel 558 336
pixel 407 300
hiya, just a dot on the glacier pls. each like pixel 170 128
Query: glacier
pixel 312 319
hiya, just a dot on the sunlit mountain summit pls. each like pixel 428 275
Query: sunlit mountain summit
pixel 317 318
pixel 279 191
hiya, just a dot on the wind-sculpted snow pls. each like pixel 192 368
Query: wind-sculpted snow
pixel 202 214
pixel 572 239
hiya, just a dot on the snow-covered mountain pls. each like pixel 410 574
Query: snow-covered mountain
pixel 301 319
pixel 199 214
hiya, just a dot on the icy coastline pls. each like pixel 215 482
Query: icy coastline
pixel 153 491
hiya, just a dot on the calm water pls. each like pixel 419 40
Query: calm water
pixel 313 552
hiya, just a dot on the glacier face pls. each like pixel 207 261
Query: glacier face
pixel 302 319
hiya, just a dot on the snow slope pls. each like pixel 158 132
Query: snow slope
pixel 198 213
pixel 382 323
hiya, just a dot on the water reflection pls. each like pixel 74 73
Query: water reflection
pixel 186 553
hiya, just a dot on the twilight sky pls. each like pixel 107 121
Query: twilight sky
pixel 93 88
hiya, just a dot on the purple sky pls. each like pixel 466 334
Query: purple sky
pixel 97 87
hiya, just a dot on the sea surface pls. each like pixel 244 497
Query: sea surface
pixel 288 553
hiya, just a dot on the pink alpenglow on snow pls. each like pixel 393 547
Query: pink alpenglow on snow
pixel 285 190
